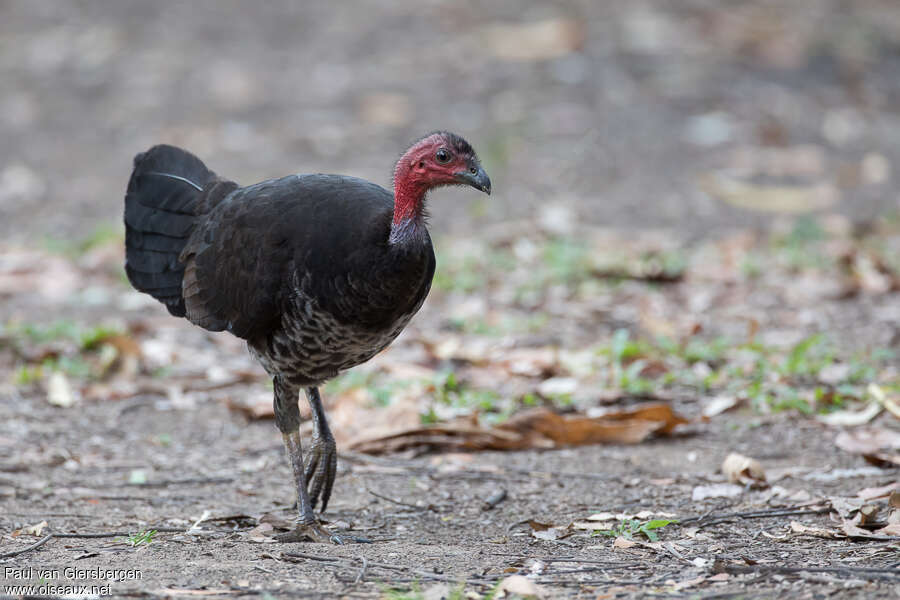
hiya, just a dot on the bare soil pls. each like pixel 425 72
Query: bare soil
pixel 621 126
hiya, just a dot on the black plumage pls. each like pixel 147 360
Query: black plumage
pixel 317 272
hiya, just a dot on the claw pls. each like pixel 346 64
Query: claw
pixel 310 532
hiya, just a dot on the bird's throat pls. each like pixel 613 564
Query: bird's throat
pixel 408 224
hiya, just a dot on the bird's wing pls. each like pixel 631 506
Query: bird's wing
pixel 256 247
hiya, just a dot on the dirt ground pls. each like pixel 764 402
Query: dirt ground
pixel 718 174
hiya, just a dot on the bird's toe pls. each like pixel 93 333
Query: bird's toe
pixel 320 470
pixel 310 532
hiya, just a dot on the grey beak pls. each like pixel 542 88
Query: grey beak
pixel 479 180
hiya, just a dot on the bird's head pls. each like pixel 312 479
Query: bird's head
pixel 438 159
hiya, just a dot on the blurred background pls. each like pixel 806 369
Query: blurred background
pixel 694 115
pixel 695 203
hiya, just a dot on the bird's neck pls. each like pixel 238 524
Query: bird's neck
pixel 408 225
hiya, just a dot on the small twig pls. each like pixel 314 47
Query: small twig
pixel 316 557
pixel 861 572
pixel 362 571
pixel 59 514
pixel 34 546
pixel 393 501
pixel 706 519
pixel 112 534
pixel 168 482
pixel 552 559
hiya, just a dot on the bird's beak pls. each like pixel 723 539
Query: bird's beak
pixel 479 180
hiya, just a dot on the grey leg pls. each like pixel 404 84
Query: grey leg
pixel 321 466
pixel 287 417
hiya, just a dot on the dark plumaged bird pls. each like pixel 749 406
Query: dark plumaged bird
pixel 318 273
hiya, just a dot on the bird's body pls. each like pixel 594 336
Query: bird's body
pixel 317 272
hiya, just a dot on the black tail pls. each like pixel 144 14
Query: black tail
pixel 161 206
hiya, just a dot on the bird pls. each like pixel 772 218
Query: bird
pixel 317 272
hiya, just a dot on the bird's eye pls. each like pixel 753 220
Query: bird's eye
pixel 473 170
pixel 443 156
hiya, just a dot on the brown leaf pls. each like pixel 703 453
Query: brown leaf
pixel 821 532
pixel 538 526
pixel 893 526
pixel 868 516
pixel 578 430
pixel 535 428
pixel 261 534
pixel 893 530
pixel 624 543
pixel 650 411
pixel 875 444
pixel 879 492
pixel 852 529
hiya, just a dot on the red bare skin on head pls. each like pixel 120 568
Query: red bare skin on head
pixel 419 170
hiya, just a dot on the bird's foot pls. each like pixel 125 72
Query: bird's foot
pixel 321 467
pixel 310 532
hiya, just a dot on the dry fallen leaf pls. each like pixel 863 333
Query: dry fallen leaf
pixel 868 515
pixel 719 404
pixel 851 418
pixel 261 534
pixel 518 585
pixel 852 529
pixel 821 532
pixel 893 524
pixel 551 533
pixel 59 390
pixel 35 530
pixel 877 445
pixel 535 428
pixel 624 543
pixel 845 507
pixel 888 402
pixel 743 470
pixel 605 520
pixel 680 585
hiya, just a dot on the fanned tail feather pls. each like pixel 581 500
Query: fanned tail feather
pixel 161 208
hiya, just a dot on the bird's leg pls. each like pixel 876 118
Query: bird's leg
pixel 321 464
pixel 287 417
